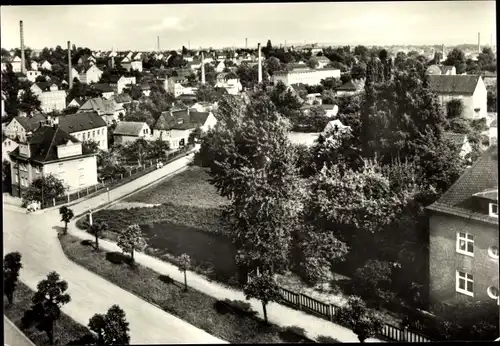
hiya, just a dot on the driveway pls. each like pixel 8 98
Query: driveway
pixel 35 237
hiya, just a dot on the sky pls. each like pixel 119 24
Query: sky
pixel 136 27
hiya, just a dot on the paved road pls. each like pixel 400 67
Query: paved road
pixel 35 238
pixel 13 336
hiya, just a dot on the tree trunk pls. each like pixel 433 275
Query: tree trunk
pixel 265 311
pixel 97 242
pixel 65 227
pixel 361 339
pixel 50 334
pixel 10 297
pixel 132 255
pixel 185 282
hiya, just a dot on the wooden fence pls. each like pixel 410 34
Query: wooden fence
pixel 111 183
pixel 328 311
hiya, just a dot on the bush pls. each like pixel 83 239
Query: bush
pixel 294 334
pixel 373 280
pixel 237 307
pixel 87 242
pixel 118 258
pixel 326 340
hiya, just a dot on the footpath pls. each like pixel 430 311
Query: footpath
pixel 277 314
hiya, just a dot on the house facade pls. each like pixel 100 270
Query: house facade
pixel 129 131
pixel 304 75
pixel 108 110
pixel 18 127
pixel 16 64
pixel 50 150
pixel 45 65
pixel 468 88
pixel 8 145
pixel 32 75
pixel 84 126
pixel 121 82
pixel 51 98
pixel 463 237
pixel 230 82
pixel 90 75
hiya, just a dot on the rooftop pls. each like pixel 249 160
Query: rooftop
pixel 453 84
pixel 129 128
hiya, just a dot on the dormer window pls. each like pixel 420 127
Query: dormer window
pixel 494 209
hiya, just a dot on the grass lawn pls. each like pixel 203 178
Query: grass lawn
pixel 66 331
pixel 231 324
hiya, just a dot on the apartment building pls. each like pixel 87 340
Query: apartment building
pixel 463 237
pixel 50 150
pixel 18 127
pixel 84 126
pixel 51 98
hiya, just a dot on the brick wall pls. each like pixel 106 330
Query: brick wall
pixel 445 261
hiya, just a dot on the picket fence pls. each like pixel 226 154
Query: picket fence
pixel 328 311
pixel 111 183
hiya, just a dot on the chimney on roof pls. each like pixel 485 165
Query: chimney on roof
pixel 260 63
pixel 70 77
pixel 23 59
pixel 202 68
pixel 478 42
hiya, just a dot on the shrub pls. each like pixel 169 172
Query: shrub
pixel 294 334
pixel 326 340
pixel 237 307
pixel 118 258
pixel 87 242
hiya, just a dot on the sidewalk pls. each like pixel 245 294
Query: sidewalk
pixel 277 314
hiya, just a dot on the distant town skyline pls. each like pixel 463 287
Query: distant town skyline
pixel 136 27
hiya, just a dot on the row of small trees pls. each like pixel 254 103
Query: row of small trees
pixel 110 328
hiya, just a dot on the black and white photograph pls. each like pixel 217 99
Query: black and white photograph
pixel 214 173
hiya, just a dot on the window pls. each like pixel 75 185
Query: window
pixel 465 243
pixel 493 252
pixel 98 132
pixel 83 135
pixel 465 283
pixel 93 133
pixel 492 292
pixel 494 209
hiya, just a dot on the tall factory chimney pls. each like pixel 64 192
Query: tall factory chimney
pixel 202 68
pixel 23 59
pixel 479 42
pixel 70 77
pixel 260 63
pixel 246 43
pixel 158 42
pixel 442 52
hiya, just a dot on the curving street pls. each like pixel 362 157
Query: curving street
pixel 35 237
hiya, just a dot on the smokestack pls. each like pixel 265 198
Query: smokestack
pixel 260 63
pixel 246 43
pixel 202 68
pixel 70 77
pixel 442 52
pixel 158 42
pixel 23 60
pixel 479 42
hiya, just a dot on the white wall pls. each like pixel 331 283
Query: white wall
pixel 53 100
pixel 99 135
pixel 76 174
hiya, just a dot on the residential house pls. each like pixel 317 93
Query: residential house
pixel 45 65
pixel 129 64
pixel 74 101
pixel 129 55
pixel 330 110
pixel 137 56
pixel 32 75
pixel 34 65
pixel 106 90
pixel 351 87
pixel 20 126
pixel 129 131
pixel 314 99
pixel 433 70
pixel 490 78
pixel 121 82
pixel 322 61
pixel 75 74
pixel 220 66
pixel 8 145
pixel 16 64
pixel 87 60
pixel 89 74
pixel 84 126
pixel 175 126
pixel 146 89
pixel 336 125
pixel 304 75
pixel 230 82
pixel 51 98
pixel 460 140
pixel 469 88
pixel 177 86
pixel 50 150
pixel 122 100
pixel 202 107
pixel 463 237
pixel 109 110
pixel 492 132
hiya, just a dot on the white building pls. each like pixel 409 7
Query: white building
pixel 230 82
pixel 305 75
pixel 51 98
pixel 129 131
pixel 32 75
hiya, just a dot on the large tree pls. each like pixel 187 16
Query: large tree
pixel 46 305
pixel 10 88
pixel 264 288
pixel 44 189
pixel 456 58
pixel 131 239
pixel 11 267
